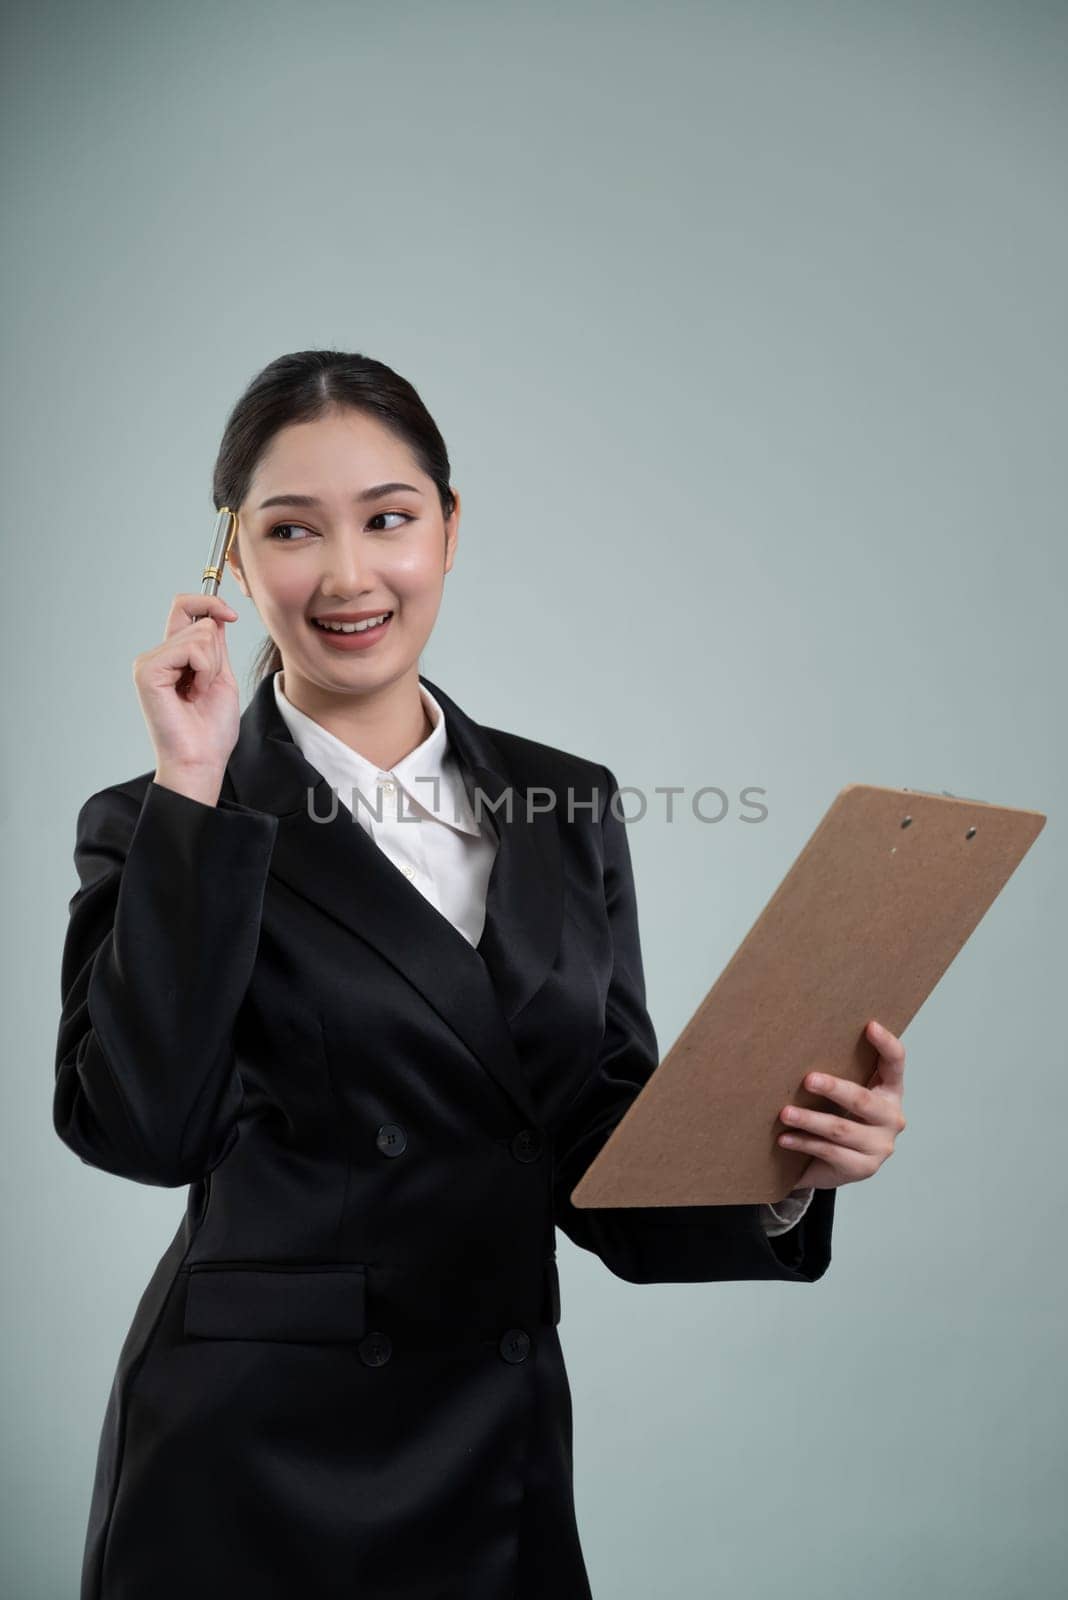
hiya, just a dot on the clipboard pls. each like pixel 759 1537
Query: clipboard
pixel 876 906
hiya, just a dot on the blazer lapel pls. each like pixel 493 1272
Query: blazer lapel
pixel 323 853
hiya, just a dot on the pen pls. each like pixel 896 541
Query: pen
pixel 222 539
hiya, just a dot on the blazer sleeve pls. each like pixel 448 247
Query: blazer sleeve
pixel 159 950
pixel 660 1244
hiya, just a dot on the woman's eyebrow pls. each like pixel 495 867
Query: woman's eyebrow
pixel 376 492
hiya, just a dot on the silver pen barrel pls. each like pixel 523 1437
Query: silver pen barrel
pixel 222 538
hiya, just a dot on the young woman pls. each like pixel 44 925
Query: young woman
pixel 328 967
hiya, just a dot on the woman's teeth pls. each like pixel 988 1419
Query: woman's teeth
pixel 353 627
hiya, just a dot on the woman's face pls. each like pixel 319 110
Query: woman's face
pixel 360 548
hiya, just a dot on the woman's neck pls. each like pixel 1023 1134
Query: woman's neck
pixel 383 725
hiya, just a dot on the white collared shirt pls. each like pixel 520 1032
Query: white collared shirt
pixel 417 812
pixel 446 853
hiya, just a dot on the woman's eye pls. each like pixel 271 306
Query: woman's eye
pixel 277 532
pixel 278 528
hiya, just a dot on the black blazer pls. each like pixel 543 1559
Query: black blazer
pixel 344 1377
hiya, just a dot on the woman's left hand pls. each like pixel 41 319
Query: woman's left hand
pixel 847 1148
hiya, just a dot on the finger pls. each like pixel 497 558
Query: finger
pixel 880 1107
pixel 187 608
pixel 840 1131
pixel 202 605
pixel 206 632
pixel 225 668
pixel 888 1044
pixel 891 1067
pixel 200 635
pixel 851 1164
pixel 199 660
pixel 195 674
pixel 865 1104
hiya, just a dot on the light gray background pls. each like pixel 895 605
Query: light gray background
pixel 745 325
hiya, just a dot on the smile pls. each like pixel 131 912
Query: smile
pixel 354 627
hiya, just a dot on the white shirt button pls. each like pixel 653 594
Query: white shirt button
pixel 409 872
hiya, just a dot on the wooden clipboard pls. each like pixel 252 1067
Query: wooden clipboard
pixel 881 899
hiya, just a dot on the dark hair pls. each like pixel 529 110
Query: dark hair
pixel 301 387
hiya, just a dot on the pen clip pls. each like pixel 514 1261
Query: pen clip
pixel 221 540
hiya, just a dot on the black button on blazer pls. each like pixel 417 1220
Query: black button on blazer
pixel 344 1377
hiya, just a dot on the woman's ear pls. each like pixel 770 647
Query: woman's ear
pixel 233 561
pixel 452 530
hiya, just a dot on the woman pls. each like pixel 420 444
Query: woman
pixel 381 1056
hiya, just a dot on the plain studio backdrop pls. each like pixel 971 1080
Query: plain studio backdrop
pixel 745 327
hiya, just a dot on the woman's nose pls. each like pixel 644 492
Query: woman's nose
pixel 346 569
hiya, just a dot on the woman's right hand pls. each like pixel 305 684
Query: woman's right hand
pixel 188 693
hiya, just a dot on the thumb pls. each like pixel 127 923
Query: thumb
pixel 222 623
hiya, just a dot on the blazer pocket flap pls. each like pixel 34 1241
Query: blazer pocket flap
pixel 296 1303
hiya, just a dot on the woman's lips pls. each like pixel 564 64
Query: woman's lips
pixel 349 642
